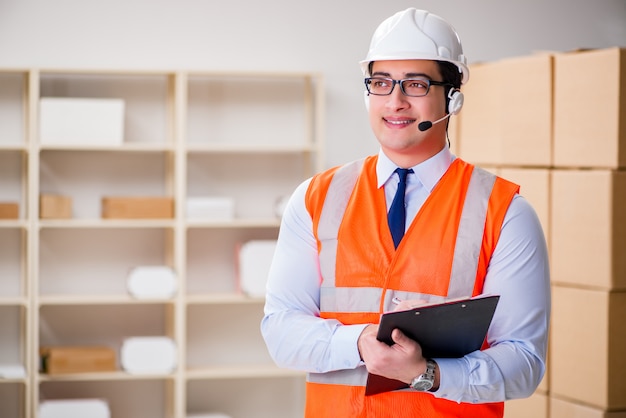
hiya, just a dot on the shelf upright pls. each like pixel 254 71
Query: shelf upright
pixel 178 98
pixel 32 215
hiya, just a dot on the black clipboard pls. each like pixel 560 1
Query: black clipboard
pixel 448 330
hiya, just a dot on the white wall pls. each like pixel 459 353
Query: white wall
pixel 329 36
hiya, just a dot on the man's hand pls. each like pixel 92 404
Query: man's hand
pixel 401 361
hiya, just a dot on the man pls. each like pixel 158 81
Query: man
pixel 338 265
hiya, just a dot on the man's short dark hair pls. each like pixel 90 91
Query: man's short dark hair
pixel 450 73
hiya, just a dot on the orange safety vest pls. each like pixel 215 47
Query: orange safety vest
pixel 453 236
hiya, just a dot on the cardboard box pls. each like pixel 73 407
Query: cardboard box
pixel 81 121
pixel 77 359
pixel 137 207
pixel 9 210
pixel 479 136
pixel 535 187
pixel 52 206
pixel 509 123
pixel 588 343
pixel 560 408
pixel 590 109
pixel 536 406
pixel 588 228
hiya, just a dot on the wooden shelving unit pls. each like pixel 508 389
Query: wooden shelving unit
pixel 249 136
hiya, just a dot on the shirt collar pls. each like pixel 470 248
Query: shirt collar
pixel 428 172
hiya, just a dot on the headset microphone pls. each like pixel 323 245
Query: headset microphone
pixel 426 125
pixel 455 103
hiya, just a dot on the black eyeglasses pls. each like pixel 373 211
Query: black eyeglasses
pixel 414 87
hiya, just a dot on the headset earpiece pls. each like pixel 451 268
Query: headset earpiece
pixel 366 97
pixel 455 101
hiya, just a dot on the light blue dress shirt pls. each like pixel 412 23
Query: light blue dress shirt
pixel 511 368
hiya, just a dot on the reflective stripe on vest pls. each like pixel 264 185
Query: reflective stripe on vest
pixel 335 205
pixel 471 230
pixel 349 377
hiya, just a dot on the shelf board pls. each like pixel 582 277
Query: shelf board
pixel 235 223
pixel 107 223
pixel 240 372
pixel 221 298
pixel 127 147
pixel 198 299
pixel 13 223
pixel 106 72
pixel 250 148
pixel 231 74
pixel 13 301
pixel 204 373
pixel 147 223
pixel 14 147
pixel 102 376
pixel 13 380
pixel 99 300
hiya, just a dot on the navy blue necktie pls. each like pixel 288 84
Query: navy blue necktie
pixel 396 216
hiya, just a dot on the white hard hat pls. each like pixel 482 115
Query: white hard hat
pixel 416 34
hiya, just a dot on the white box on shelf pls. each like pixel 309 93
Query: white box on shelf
pixel 12 371
pixel 148 355
pixel 152 282
pixel 255 258
pixel 211 208
pixel 81 121
pixel 74 408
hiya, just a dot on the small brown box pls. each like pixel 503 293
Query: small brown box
pixel 53 206
pixel 9 211
pixel 137 207
pixel 77 359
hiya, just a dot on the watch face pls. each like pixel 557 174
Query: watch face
pixel 421 384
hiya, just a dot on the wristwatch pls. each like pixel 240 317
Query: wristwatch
pixel 426 380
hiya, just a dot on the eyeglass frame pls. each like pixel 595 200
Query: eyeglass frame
pixel 428 81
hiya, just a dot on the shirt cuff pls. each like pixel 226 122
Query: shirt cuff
pixel 453 378
pixel 344 346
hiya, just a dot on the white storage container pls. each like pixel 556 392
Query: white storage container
pixel 255 258
pixel 152 282
pixel 74 408
pixel 214 208
pixel 148 355
pixel 81 122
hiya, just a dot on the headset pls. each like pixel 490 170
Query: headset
pixel 455 101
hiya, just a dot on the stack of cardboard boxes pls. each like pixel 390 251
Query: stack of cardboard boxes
pixel 556 125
